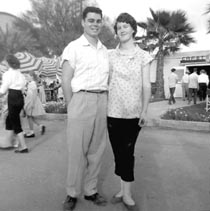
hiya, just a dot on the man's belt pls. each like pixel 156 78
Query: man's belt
pixel 93 91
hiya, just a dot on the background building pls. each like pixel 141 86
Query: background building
pixel 181 62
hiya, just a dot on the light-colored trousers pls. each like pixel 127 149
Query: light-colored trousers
pixel 185 91
pixel 86 139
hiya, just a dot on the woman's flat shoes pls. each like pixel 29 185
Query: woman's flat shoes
pixel 128 206
pixel 22 150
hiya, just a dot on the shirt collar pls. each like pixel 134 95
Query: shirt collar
pixel 85 42
pixel 128 55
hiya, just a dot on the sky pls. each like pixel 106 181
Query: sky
pixel 139 9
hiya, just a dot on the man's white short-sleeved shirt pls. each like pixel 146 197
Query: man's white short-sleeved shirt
pixel 172 80
pixel 203 78
pixel 193 81
pixel 90 64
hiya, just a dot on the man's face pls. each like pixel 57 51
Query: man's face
pixel 92 24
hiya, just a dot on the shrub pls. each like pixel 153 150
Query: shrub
pixel 55 107
pixel 188 113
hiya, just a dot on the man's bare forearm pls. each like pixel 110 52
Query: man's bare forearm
pixel 67 76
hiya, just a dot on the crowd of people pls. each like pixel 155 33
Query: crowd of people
pixel 194 85
pixel 21 99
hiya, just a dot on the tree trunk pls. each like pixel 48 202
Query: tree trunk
pixel 159 94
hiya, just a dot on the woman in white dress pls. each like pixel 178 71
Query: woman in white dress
pixel 33 106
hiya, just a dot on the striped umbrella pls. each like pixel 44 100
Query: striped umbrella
pixel 28 62
pixel 49 67
pixel 3 67
pixel 59 68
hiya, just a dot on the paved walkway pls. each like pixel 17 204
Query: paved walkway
pixel 171 169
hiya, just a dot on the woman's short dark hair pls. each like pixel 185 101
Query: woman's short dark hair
pixel 126 18
pixel 13 61
pixel 92 10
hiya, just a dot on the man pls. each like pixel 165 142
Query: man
pixel 85 84
pixel 185 81
pixel 193 86
pixel 203 82
pixel 172 81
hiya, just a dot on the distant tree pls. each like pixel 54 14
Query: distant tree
pixel 207 12
pixel 107 35
pixel 12 41
pixel 54 23
pixel 165 32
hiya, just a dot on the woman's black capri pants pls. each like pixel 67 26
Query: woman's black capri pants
pixel 123 134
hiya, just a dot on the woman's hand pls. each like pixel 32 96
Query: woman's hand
pixel 143 119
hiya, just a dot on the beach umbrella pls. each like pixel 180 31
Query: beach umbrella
pixel 28 62
pixel 59 68
pixel 49 67
pixel 3 67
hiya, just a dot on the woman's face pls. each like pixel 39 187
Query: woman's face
pixel 124 31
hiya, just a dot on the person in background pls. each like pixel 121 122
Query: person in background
pixel 56 88
pixel 172 81
pixel 193 86
pixel 60 96
pixel 128 99
pixel 13 83
pixel 203 82
pixel 33 106
pixel 85 82
pixel 185 82
pixel 40 89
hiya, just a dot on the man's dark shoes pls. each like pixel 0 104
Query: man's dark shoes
pixel 69 203
pixel 22 150
pixel 96 199
pixel 32 135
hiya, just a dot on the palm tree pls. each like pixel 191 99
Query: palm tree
pixel 165 32
pixel 207 12
pixel 12 41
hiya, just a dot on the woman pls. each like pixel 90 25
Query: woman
pixel 41 91
pixel 129 94
pixel 33 106
pixel 13 83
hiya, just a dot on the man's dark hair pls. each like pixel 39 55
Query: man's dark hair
pixel 126 18
pixel 195 69
pixel 13 61
pixel 173 70
pixel 92 10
